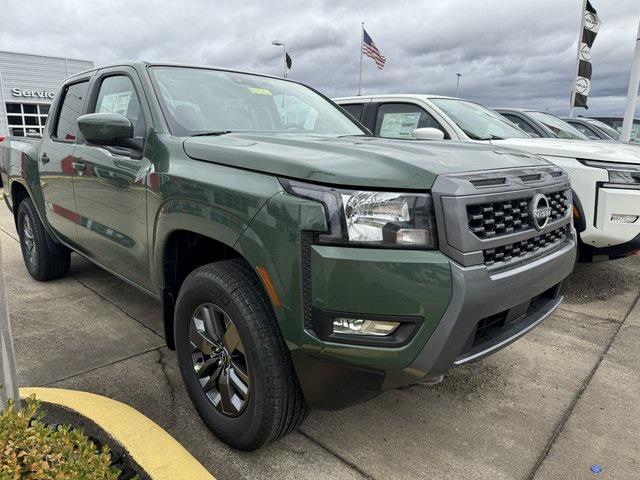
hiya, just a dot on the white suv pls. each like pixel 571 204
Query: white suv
pixel 605 177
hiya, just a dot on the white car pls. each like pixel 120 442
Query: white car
pixel 605 176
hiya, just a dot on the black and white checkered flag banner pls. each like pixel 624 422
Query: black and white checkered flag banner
pixel 590 27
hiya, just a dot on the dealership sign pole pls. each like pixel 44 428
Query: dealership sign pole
pixel 8 375
pixel 632 95
pixel 589 26
pixel 575 73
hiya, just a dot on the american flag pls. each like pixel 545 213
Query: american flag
pixel 370 50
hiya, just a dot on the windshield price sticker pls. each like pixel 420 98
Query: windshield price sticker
pixel 260 91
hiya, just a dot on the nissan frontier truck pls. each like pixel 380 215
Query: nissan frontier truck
pixel 300 262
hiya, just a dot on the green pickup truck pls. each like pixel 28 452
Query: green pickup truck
pixel 300 262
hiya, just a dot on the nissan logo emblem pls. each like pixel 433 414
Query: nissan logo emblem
pixel 540 211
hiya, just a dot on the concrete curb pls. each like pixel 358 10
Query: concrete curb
pixel 157 452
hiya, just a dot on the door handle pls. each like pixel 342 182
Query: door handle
pixel 79 167
pixel 44 158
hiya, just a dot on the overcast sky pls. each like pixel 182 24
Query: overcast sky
pixel 518 53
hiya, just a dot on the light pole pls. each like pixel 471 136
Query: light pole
pixel 278 43
pixel 458 83
pixel 632 94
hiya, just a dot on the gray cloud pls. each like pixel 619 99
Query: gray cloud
pixel 510 52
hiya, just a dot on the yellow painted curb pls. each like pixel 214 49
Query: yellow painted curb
pixel 157 452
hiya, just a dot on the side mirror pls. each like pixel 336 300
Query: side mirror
pixel 105 128
pixel 428 133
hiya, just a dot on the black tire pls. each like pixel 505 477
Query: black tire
pixel 44 259
pixel 274 405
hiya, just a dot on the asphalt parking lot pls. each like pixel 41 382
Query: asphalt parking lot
pixel 558 401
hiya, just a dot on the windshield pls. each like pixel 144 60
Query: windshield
pixel 199 101
pixel 612 132
pixel 478 122
pixel 559 127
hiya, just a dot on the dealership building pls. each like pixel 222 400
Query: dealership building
pixel 28 84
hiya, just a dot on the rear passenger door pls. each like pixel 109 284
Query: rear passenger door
pixel 57 163
pixel 111 187
pixel 399 120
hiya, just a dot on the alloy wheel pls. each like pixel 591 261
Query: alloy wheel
pixel 219 359
pixel 29 240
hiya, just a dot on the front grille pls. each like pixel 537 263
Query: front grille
pixel 559 203
pixel 506 253
pixel 490 220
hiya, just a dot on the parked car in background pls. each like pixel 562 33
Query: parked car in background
pixel 300 261
pixel 593 129
pixel 616 123
pixel 605 176
pixel 541 124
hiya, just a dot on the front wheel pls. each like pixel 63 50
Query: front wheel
pixel 44 260
pixel 233 359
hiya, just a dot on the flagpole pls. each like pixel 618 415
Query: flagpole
pixel 632 95
pixel 577 69
pixel 360 76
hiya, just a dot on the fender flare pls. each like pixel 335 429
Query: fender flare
pixel 53 242
pixel 579 222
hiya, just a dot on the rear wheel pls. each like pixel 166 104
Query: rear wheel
pixel 43 258
pixel 233 359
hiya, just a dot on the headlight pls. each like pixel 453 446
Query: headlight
pixel 370 218
pixel 618 172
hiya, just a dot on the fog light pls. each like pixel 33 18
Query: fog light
pixel 410 236
pixel 615 218
pixel 359 326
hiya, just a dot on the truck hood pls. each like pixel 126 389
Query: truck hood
pixel 557 147
pixel 354 160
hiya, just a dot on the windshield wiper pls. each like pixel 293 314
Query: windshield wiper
pixel 212 133
pixel 473 136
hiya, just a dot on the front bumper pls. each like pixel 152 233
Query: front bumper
pixel 613 239
pixel 597 201
pixel 487 311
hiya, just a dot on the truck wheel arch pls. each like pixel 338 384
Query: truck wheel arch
pixel 579 220
pixel 19 191
pixel 182 252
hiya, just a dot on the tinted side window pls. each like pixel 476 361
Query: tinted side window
pixel 399 120
pixel 585 130
pixel 354 109
pixel 71 109
pixel 522 124
pixel 117 95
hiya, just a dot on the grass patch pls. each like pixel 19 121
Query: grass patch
pixel 31 449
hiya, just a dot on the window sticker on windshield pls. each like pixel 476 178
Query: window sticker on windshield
pixel 399 125
pixel 260 91
pixel 115 103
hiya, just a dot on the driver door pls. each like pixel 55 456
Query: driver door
pixel 111 186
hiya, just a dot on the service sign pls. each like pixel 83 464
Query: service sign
pixel 19 92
